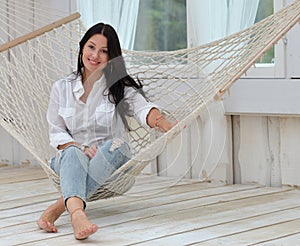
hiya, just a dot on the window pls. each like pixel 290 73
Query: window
pixel 265 9
pixel 161 25
pixel 271 65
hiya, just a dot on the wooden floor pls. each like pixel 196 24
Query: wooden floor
pixel 157 211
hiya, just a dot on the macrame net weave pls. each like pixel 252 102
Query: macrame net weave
pixel 38 47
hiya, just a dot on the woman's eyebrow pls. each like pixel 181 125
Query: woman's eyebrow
pixel 96 45
pixel 92 43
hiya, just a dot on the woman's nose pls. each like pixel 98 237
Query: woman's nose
pixel 95 55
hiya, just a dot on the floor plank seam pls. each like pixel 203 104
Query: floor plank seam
pixel 274 239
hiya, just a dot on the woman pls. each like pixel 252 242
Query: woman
pixel 87 125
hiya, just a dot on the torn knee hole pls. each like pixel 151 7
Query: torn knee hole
pixel 116 143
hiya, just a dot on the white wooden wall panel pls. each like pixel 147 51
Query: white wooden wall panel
pixel 214 142
pixel 7 142
pixel 269 150
pixel 254 157
pixel 236 167
pixel 197 153
pixel 264 97
pixel 175 159
pixel 203 150
pixel 290 151
pixel 229 153
pixel 13 153
pixel 273 133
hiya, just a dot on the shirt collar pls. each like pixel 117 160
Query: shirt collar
pixel 78 89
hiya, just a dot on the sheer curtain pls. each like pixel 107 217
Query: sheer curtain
pixel 214 19
pixel 121 14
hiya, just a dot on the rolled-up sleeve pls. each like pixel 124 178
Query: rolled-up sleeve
pixel 57 129
pixel 139 107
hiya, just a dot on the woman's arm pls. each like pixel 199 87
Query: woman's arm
pixel 65 145
pixel 145 112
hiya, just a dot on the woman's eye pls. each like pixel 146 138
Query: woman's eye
pixel 91 47
pixel 104 51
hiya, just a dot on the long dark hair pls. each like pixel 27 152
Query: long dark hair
pixel 115 71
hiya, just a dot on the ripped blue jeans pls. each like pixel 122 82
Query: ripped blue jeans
pixel 81 176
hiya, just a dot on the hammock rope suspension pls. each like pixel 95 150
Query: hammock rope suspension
pixel 36 50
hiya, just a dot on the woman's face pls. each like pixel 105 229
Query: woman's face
pixel 95 54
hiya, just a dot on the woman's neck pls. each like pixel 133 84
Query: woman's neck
pixel 89 78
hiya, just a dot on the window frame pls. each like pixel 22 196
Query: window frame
pixel 276 69
pixel 262 70
pixel 259 70
pixel 276 95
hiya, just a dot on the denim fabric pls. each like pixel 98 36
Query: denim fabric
pixel 80 176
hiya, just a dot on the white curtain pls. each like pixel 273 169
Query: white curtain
pixel 214 19
pixel 121 14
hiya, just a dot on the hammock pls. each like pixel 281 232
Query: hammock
pixel 181 81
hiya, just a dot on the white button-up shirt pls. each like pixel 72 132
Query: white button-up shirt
pixel 93 122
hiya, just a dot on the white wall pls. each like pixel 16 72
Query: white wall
pixel 266 117
pixel 268 150
pixel 203 150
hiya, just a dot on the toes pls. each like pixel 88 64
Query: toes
pixel 83 234
pixel 94 228
pixel 53 229
pixel 41 224
pixel 47 226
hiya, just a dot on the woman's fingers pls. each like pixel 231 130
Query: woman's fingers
pixel 91 151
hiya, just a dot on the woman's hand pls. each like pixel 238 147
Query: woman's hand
pixel 156 120
pixel 162 124
pixel 90 151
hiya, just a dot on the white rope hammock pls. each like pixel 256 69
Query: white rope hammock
pixel 35 53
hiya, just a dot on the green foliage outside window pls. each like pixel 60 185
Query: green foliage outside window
pixel 161 25
pixel 265 9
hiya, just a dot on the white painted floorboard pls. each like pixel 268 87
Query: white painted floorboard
pixel 156 211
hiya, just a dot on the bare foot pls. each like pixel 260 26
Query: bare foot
pixel 50 215
pixel 81 225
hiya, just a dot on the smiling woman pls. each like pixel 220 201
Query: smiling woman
pixel 89 150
